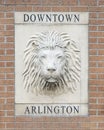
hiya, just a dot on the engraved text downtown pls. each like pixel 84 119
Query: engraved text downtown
pixel 51 110
pixel 52 17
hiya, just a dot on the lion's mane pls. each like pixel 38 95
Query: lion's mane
pixel 31 76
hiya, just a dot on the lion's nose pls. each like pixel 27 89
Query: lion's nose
pixel 51 70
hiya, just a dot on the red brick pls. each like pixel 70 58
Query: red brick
pixel 2 88
pixel 10 88
pixel 6 70
pixel 6 58
pixel 101 101
pixel 96 9
pixel 50 2
pixel 96 82
pixel 93 88
pixel 2 125
pixel 93 52
pixel 10 2
pixel 92 64
pixel 96 94
pixel 92 112
pixel 92 22
pixel 9 64
pixel 101 52
pixel 92 15
pixel 101 112
pixel 1 15
pixel 7 8
pixel 7 46
pixel 11 100
pixel 9 15
pixel 22 119
pixel 92 76
pixel 101 88
pixel 96 118
pixel 79 9
pixel 101 64
pixel 96 34
pixel 7 94
pixel 100 21
pixel 2 101
pixel 56 9
pixel 96 70
pixel 88 2
pixel 2 64
pixel 101 28
pixel 10 52
pixel 96 46
pixel 2 113
pixel 10 39
pixel 96 58
pixel 92 40
pixel 29 125
pixel 101 15
pixel 6 21
pixel 2 75
pixel 101 76
pixel 2 51
pixel 88 125
pixel 7 119
pixel 1 39
pixel 101 2
pixel 101 125
pixel 10 113
pixel 10 76
pixel 7 33
pixel 2 27
pixel 1 1
pixel 69 2
pixel 68 125
pixel 93 28
pixel 92 106
pixel 96 22
pixel 101 40
pixel 45 8
pixel 93 100
pixel 31 2
pixel 10 27
pixel 23 8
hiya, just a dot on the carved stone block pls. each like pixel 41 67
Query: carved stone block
pixel 51 63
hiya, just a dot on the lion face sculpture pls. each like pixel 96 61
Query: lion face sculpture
pixel 52 64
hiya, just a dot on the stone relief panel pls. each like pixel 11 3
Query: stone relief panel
pixel 52 64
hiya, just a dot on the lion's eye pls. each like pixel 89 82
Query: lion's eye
pixel 33 44
pixel 59 57
pixel 43 57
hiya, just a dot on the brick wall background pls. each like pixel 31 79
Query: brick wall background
pixel 95 119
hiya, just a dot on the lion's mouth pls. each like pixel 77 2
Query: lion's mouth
pixel 51 84
pixel 51 80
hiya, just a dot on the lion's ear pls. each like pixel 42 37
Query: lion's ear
pixel 34 44
pixel 72 45
pixel 66 44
